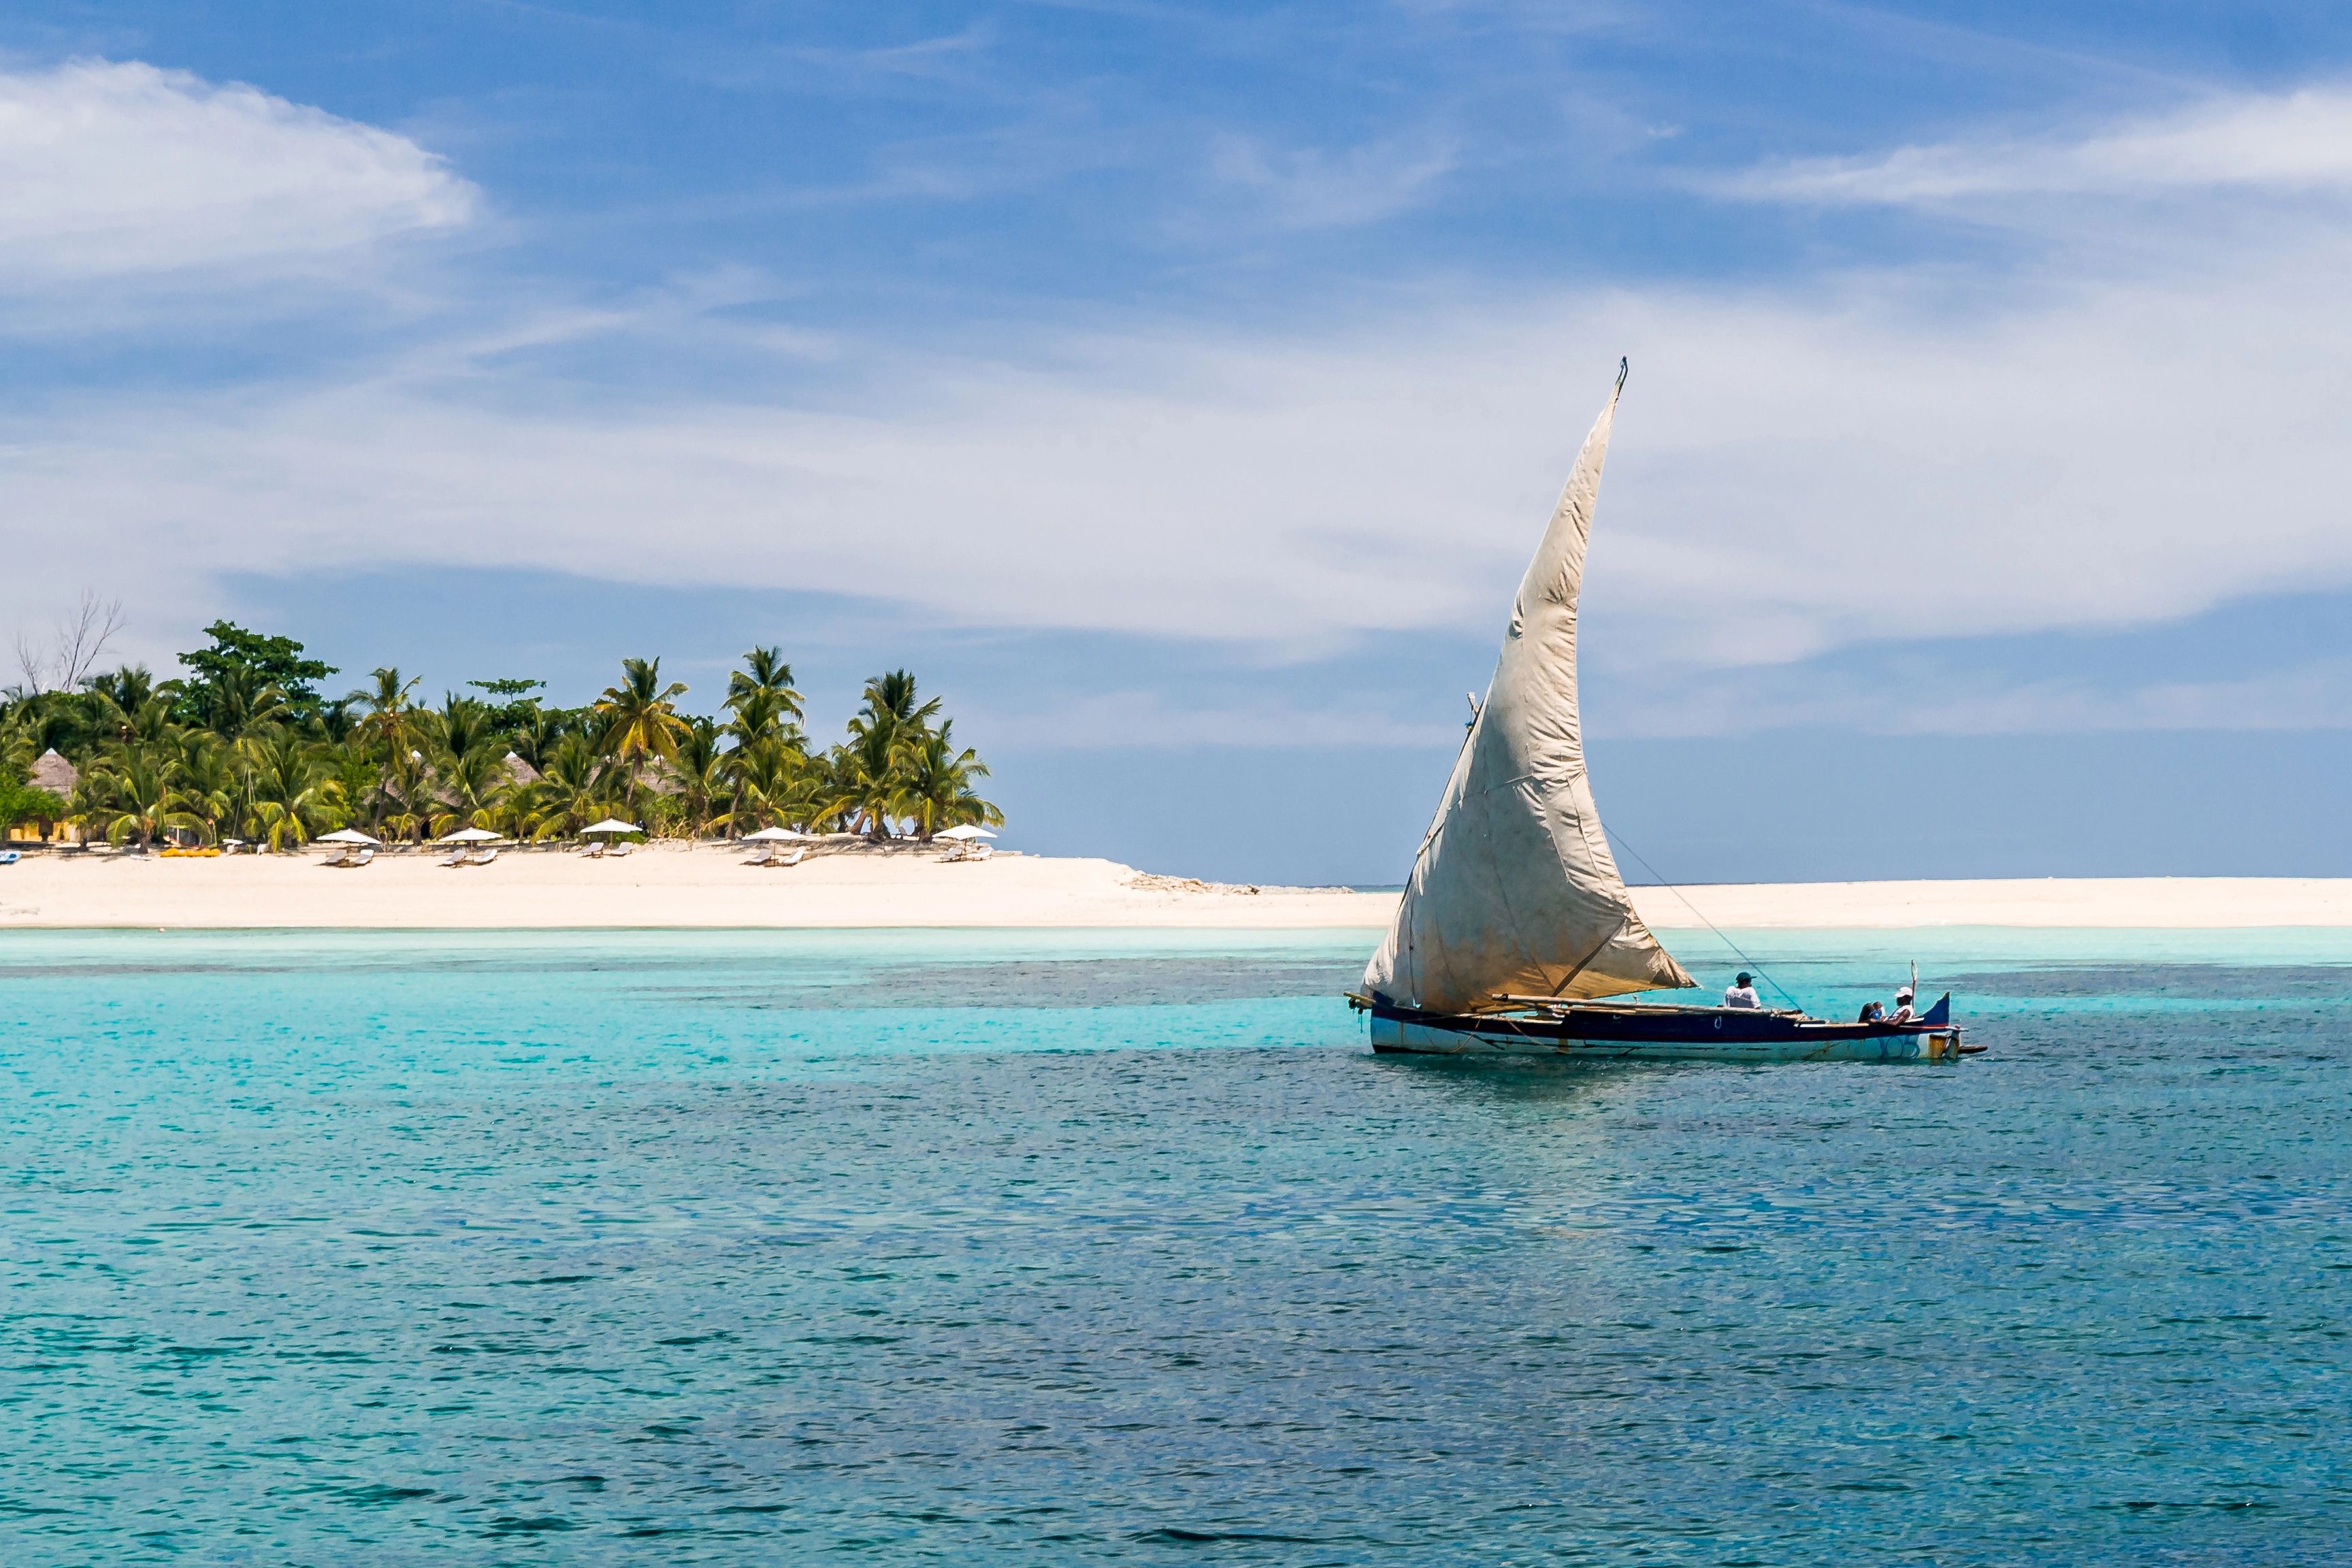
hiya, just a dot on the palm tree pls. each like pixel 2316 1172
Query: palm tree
pixel 574 790
pixel 461 724
pixel 211 784
pixel 938 791
pixel 890 704
pixel 473 789
pixel 239 699
pixel 867 782
pixel 640 723
pixel 392 718
pixel 135 796
pixel 766 679
pixel 289 782
pixel 700 774
pixel 775 785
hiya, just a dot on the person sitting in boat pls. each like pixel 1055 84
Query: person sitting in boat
pixel 1740 992
pixel 1873 1012
pixel 1903 1013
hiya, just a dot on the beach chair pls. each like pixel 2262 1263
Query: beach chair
pixel 978 852
pixel 766 856
pixel 340 858
pixel 780 861
pixel 620 849
pixel 455 858
pixel 594 851
pixel 482 857
pixel 364 858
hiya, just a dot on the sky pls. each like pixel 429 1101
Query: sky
pixel 1178 389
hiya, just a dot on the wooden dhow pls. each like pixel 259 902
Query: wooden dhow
pixel 1514 924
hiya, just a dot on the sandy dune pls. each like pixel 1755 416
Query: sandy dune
pixel 671 886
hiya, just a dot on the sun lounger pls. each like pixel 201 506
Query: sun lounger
pixel 780 861
pixel 482 857
pixel 594 851
pixel 766 857
pixel 620 848
pixel 456 857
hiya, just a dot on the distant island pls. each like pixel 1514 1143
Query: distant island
pixel 245 747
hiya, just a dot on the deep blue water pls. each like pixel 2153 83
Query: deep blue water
pixel 1025 1248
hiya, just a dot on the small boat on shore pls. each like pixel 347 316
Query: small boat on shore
pixel 1515 925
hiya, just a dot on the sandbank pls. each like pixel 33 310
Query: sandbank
pixel 681 887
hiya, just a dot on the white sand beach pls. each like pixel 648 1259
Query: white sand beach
pixel 671 886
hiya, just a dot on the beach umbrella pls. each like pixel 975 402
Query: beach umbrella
pixel 964 833
pixel 773 835
pixel 612 825
pixel 346 836
pixel 467 835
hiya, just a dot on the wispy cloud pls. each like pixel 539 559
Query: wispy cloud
pixel 1316 187
pixel 2290 144
pixel 121 170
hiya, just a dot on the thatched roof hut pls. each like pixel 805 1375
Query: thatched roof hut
pixel 54 773
pixel 524 773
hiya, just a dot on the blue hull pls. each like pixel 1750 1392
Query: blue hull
pixel 1603 1033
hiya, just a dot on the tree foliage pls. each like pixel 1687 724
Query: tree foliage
pixel 245 746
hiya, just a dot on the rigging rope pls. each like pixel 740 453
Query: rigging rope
pixel 1694 908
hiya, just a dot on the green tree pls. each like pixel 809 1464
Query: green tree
pixel 134 797
pixel 261 661
pixel 641 720
pixel 938 791
pixel 288 782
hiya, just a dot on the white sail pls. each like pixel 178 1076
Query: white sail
pixel 1514 891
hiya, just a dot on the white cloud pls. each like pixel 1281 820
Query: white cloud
pixel 115 170
pixel 2291 144
pixel 1796 470
pixel 1792 473
pixel 1309 187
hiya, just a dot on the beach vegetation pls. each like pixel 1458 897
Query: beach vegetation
pixel 246 744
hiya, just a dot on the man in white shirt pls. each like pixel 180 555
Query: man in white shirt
pixel 1740 992
pixel 1902 1013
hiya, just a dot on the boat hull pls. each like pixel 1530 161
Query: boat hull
pixel 1686 1036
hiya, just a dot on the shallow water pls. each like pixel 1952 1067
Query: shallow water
pixel 751 1248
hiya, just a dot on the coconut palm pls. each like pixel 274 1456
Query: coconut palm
pixel 212 786
pixel 765 679
pixel 937 792
pixel 698 778
pixel 472 789
pixel 134 797
pixel 867 781
pixel 640 724
pixel 392 717
pixel 239 699
pixel 461 724
pixel 289 781
pixel 574 789
pixel 890 704
pixel 774 785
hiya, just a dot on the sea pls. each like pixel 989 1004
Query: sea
pixel 1122 1247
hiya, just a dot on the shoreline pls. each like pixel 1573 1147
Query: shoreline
pixel 677 887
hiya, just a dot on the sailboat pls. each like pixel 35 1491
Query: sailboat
pixel 1515 927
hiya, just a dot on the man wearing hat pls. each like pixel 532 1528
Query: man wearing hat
pixel 1902 1013
pixel 1741 993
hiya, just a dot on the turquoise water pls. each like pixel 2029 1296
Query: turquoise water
pixel 1020 1248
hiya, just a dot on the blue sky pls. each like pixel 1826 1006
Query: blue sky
pixel 1180 388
